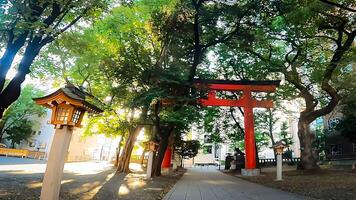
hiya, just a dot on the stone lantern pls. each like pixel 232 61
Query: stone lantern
pixel 68 106
pixel 279 147
pixel 151 147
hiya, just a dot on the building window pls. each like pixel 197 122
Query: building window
pixel 336 149
pixel 208 149
pixel 353 147
pixel 62 114
pixel 76 116
pixel 332 123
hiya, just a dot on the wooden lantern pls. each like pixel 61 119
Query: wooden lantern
pixel 151 146
pixel 279 147
pixel 68 106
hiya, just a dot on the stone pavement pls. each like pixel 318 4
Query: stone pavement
pixel 210 184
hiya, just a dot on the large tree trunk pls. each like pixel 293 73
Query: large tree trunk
pixel 163 144
pixel 127 151
pixel 12 91
pixel 308 160
pixel 118 151
pixel 142 158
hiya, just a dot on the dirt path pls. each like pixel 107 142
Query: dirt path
pixel 83 181
pixel 326 184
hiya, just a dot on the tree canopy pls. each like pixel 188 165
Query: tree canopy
pixel 141 57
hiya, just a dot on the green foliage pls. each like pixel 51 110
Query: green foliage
pixel 111 124
pixel 25 106
pixel 187 149
pixel 285 136
pixel 347 125
pixel 22 115
pixel 19 132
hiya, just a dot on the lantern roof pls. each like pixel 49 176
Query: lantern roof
pixel 72 95
pixel 279 144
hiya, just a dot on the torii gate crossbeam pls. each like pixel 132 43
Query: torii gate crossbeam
pixel 247 102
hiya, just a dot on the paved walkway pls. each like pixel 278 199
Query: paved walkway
pixel 210 184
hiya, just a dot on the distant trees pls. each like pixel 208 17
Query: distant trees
pixel 19 132
pixel 20 117
pixel 187 149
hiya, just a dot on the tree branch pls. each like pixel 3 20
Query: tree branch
pixel 338 5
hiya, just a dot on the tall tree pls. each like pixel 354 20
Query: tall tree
pixel 26 27
pixel 308 43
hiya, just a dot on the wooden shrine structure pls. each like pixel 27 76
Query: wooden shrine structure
pixel 246 101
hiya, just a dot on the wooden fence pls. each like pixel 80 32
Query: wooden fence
pixel 272 162
pixel 14 152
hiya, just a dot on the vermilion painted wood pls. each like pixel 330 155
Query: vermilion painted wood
pixel 166 163
pixel 230 87
pixel 214 101
pixel 247 102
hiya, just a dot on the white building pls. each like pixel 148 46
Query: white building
pixel 94 147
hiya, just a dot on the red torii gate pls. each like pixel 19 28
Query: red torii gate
pixel 247 102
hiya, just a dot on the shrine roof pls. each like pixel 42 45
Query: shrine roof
pixel 76 94
pixel 237 82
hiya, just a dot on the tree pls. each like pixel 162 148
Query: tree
pixel 307 43
pixel 26 27
pixel 20 131
pixel 22 112
pixel 285 136
pixel 112 124
pixel 187 149
pixel 347 125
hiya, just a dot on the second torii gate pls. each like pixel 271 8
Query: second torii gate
pixel 247 102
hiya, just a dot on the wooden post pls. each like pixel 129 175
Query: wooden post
pixel 54 170
pixel 250 149
pixel 279 167
pixel 149 164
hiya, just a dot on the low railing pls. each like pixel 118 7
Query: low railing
pixel 14 152
pixel 272 161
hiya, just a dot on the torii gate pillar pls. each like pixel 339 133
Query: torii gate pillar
pixel 247 102
pixel 250 147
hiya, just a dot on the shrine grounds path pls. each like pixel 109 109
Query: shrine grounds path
pixel 210 184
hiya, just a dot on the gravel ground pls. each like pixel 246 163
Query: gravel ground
pixel 84 181
pixel 328 184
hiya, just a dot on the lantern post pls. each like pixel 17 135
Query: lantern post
pixel 68 106
pixel 279 146
pixel 152 147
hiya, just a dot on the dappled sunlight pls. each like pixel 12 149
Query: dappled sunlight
pixel 39 184
pixel 136 184
pixel 123 190
pixel 108 177
pixel 87 168
pixel 136 167
pixel 86 187
pixel 78 168
pixel 24 168
pixel 34 185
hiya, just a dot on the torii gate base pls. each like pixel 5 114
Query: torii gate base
pixel 247 102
